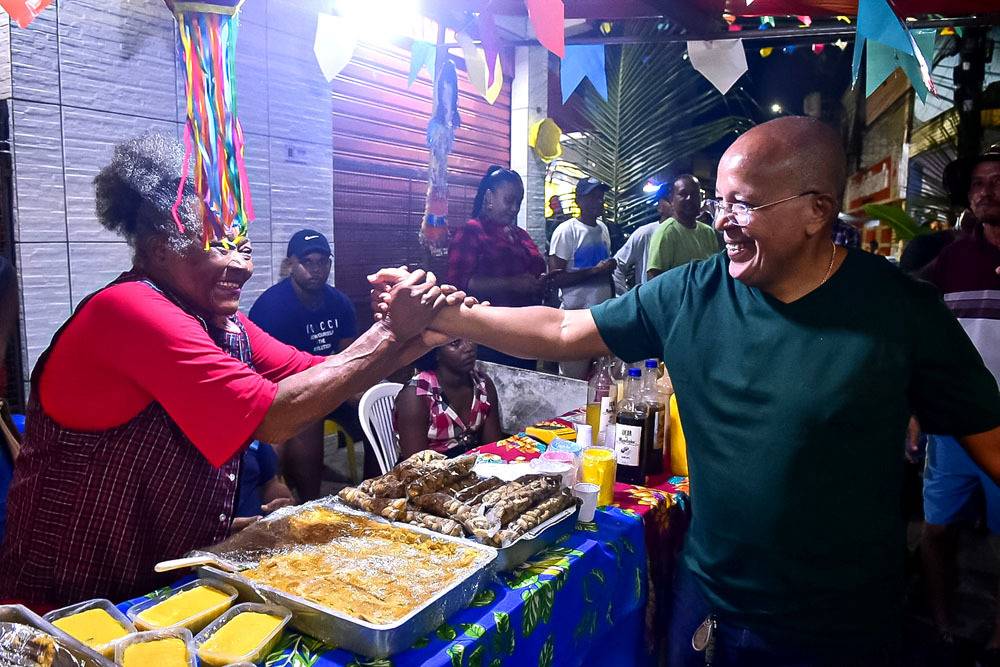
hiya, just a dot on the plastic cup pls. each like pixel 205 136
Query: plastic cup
pixel 599 468
pixel 563 457
pixel 588 493
pixel 584 434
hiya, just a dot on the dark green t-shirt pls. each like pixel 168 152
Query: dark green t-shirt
pixel 795 416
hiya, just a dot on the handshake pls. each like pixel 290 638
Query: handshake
pixel 407 302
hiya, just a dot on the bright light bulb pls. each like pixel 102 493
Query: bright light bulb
pixel 650 187
pixel 776 108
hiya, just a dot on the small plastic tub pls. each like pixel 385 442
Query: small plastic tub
pixel 175 615
pixel 253 649
pixel 92 623
pixel 157 647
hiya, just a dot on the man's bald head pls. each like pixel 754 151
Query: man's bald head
pixel 798 152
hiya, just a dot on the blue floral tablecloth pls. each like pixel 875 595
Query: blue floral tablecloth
pixel 582 602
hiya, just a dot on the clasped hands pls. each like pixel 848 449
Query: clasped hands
pixel 407 302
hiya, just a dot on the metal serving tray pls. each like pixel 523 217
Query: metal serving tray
pixel 538 538
pixel 15 613
pixel 337 628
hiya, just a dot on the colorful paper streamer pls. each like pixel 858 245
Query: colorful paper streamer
pixel 213 136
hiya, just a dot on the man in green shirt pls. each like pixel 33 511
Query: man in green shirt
pixel 681 238
pixel 797 365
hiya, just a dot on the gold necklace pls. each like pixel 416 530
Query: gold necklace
pixel 829 269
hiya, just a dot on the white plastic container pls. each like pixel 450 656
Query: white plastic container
pixel 107 649
pixel 196 621
pixel 256 654
pixel 155 635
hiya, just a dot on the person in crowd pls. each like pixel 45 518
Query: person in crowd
pixel 143 403
pixel 261 490
pixel 492 258
pixel 967 272
pixel 795 550
pixel 304 311
pixel 845 234
pixel 580 262
pixel 682 238
pixel 448 406
pixel 632 258
pixel 558 216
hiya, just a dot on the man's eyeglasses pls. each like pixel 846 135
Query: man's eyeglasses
pixel 739 212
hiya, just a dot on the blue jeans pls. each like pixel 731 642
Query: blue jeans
pixel 737 646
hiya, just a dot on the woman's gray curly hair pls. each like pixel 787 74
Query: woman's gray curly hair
pixel 136 192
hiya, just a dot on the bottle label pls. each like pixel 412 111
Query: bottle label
pixel 658 430
pixel 607 414
pixel 628 441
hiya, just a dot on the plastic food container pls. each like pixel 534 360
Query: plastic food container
pixel 97 638
pixel 193 619
pixel 141 649
pixel 219 656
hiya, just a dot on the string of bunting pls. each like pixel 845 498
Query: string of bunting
pixel 213 136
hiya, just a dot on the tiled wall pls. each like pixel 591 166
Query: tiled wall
pixel 90 73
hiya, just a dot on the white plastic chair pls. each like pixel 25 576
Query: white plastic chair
pixel 375 411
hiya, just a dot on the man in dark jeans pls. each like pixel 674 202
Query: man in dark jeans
pixel 305 312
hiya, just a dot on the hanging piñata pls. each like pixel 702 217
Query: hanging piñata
pixel 440 138
pixel 213 137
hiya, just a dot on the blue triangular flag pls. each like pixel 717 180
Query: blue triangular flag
pixel 583 62
pixel 421 54
pixel 883 60
pixel 878 23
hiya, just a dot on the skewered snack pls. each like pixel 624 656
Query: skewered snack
pixel 484 528
pixel 25 646
pixel 511 504
pixel 425 456
pixel 440 476
pixel 436 523
pixel 472 494
pixel 393 509
pixel 388 486
pixel 535 517
pixel 456 486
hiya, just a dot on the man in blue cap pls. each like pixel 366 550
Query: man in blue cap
pixel 305 312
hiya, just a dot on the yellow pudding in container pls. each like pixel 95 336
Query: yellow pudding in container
pixel 192 606
pixel 163 652
pixel 245 633
pixel 163 648
pixel 96 623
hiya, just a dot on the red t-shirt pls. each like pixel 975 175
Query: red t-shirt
pixel 130 346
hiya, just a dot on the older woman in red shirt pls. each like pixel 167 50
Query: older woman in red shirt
pixel 142 404
pixel 492 258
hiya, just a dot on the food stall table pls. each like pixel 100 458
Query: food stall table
pixel 579 602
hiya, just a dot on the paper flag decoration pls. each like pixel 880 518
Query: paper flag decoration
pixel 766 51
pixel 544 136
pixel 24 11
pixel 583 62
pixel 475 67
pixel 840 44
pixel 722 62
pixel 878 24
pixel 883 61
pixel 489 41
pixel 334 46
pixel 805 20
pixel 788 49
pixel 548 18
pixel 767 20
pixel 818 48
pixel 422 54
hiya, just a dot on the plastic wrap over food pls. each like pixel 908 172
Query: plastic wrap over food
pixel 25 646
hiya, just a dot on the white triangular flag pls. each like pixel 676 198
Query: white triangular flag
pixel 722 61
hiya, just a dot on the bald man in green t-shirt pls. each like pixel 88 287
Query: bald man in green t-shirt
pixel 682 238
pixel 797 365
